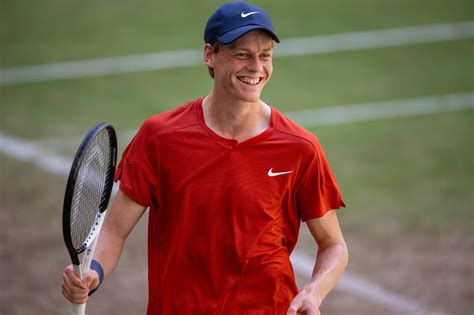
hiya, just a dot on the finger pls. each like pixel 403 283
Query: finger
pixel 71 291
pixel 293 309
pixel 79 299
pixel 74 285
pixel 74 297
pixel 91 279
pixel 74 279
pixel 65 291
pixel 308 309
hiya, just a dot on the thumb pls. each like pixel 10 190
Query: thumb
pixel 294 307
pixel 91 279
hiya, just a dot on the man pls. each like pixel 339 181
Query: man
pixel 227 180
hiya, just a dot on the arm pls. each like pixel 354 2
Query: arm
pixel 121 219
pixel 331 261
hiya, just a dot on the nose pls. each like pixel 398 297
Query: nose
pixel 255 64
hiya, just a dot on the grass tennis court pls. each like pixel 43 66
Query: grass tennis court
pixel 407 181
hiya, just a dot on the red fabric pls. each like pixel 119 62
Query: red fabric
pixel 220 228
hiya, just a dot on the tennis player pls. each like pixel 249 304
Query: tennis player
pixel 227 179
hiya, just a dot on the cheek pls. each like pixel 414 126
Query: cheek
pixel 269 70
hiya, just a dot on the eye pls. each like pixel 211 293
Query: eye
pixel 242 55
pixel 266 56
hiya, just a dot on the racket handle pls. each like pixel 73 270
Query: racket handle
pixel 78 309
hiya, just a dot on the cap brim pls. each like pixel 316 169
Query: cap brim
pixel 231 36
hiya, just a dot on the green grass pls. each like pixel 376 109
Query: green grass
pixel 53 109
pixel 53 30
pixel 377 74
pixel 407 181
pixel 415 174
pixel 70 30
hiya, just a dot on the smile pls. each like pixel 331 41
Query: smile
pixel 249 81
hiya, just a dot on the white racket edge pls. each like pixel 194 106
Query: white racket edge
pixel 84 267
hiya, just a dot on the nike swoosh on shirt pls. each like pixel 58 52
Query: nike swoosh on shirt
pixel 244 15
pixel 272 174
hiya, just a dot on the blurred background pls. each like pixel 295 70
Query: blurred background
pixel 387 87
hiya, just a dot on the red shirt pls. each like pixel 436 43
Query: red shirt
pixel 224 216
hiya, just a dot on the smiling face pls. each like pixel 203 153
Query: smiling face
pixel 243 68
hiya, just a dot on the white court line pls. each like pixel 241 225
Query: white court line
pixel 362 288
pixel 302 263
pixel 191 57
pixel 342 114
pixel 36 153
pixel 336 115
pixel 339 114
pixel 29 151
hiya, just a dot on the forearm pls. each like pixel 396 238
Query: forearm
pixel 122 217
pixel 109 249
pixel 119 222
pixel 330 264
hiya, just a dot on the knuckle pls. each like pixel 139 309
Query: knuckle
pixel 79 291
pixel 80 298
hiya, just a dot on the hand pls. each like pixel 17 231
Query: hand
pixel 76 290
pixel 304 303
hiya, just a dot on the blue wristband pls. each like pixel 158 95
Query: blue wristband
pixel 95 265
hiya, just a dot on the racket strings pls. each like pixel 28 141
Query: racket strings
pixel 88 192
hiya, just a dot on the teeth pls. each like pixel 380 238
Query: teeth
pixel 249 80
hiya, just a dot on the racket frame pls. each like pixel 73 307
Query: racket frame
pixel 88 245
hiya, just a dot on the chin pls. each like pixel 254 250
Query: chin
pixel 250 98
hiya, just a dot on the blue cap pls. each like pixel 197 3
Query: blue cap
pixel 235 19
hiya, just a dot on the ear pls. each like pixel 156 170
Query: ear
pixel 209 55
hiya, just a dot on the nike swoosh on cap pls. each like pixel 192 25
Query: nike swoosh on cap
pixel 244 15
pixel 273 174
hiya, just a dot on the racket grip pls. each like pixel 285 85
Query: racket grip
pixel 78 309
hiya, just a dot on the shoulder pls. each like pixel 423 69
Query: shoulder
pixel 178 118
pixel 301 137
pixel 160 124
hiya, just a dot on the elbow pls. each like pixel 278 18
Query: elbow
pixel 338 252
pixel 342 254
pixel 345 255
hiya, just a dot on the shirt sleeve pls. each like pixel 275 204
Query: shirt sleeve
pixel 319 191
pixel 138 169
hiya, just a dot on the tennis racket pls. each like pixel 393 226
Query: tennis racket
pixel 87 195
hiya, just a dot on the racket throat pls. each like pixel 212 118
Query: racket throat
pixel 78 270
pixel 86 260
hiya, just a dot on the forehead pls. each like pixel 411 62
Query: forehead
pixel 253 39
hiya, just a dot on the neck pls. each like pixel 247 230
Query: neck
pixel 236 120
